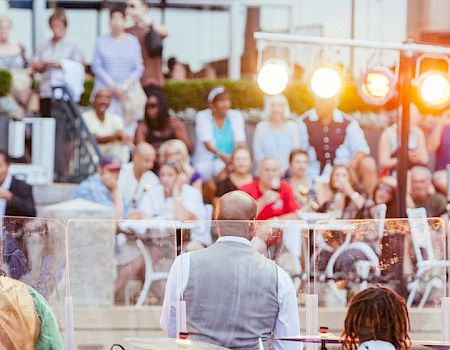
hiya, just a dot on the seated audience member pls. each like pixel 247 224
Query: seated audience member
pixel 274 197
pixel 16 196
pixel 377 319
pixel 388 146
pixel 218 129
pixel 173 199
pixel 386 193
pixel 137 177
pixel 177 151
pixel 239 175
pixel 301 184
pixel 102 187
pixel 26 319
pixel 159 126
pixel 235 298
pixel 434 203
pixel 275 136
pixel 346 202
pixel 331 137
pixel 107 128
pixel 439 144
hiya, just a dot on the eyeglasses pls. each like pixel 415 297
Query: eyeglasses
pixel 152 105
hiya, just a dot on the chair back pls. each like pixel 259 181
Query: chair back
pixel 420 234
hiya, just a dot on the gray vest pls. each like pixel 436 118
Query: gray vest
pixel 231 296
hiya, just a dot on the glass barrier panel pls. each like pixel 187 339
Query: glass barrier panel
pixel 118 274
pixel 406 255
pixel 33 252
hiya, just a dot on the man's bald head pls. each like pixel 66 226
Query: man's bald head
pixel 235 206
pixel 143 158
pixel 144 148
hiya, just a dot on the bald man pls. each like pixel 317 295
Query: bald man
pixel 137 176
pixel 233 295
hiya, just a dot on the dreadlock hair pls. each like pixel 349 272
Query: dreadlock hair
pixel 377 313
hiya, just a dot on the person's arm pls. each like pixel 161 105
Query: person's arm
pixel 258 140
pixel 287 322
pixel 181 133
pixel 356 143
pixel 98 66
pixel 420 155
pixel 161 30
pixel 434 140
pixel 49 336
pixel 384 152
pixel 175 286
pixel 117 136
pixel 184 212
pixel 141 133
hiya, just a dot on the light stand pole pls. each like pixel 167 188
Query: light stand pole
pixel 406 76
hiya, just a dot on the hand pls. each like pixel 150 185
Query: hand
pixel 4 194
pixel 270 196
pixel 136 215
pixel 123 137
pixel 54 65
pixel 225 158
pixel 178 186
pixel 118 92
pixel 109 180
pixel 345 187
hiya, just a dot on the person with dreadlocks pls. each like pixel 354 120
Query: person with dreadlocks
pixel 377 319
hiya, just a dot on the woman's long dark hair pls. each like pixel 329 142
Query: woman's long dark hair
pixel 162 119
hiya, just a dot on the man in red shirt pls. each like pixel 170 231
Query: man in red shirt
pixel 274 198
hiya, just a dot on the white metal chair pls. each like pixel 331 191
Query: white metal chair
pixel 422 242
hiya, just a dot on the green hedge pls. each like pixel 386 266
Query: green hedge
pixel 245 95
pixel 5 82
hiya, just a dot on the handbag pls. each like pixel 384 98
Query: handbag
pixel 133 107
pixel 153 43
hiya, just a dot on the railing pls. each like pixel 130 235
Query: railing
pixel 77 152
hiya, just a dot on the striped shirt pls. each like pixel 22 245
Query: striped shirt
pixel 116 61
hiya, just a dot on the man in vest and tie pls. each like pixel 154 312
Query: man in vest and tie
pixel 233 295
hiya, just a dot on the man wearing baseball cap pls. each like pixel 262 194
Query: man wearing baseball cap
pixel 102 187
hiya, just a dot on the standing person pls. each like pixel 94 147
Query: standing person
pixel 331 137
pixel 117 64
pixel 148 32
pixel 218 129
pixel 49 58
pixel 377 319
pixel 276 135
pixel 233 295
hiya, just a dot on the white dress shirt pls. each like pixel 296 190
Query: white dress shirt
pixel 131 190
pixel 287 322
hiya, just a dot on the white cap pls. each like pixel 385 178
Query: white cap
pixel 218 90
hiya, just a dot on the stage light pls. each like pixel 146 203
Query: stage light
pixel 377 86
pixel 326 82
pixel 434 89
pixel 273 77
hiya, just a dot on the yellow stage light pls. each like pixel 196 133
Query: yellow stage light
pixel 377 86
pixel 434 89
pixel 273 77
pixel 326 82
